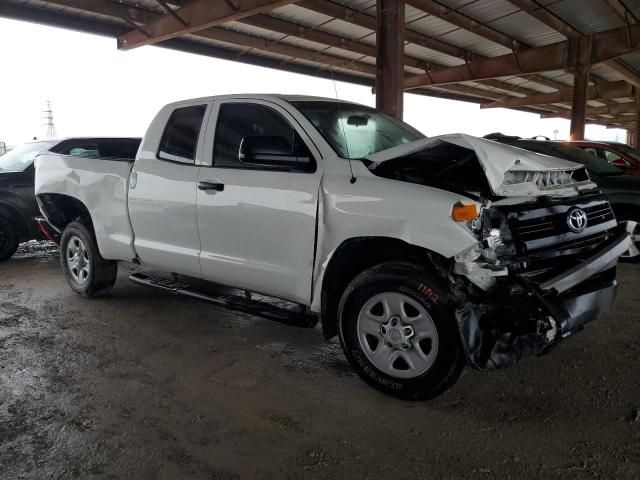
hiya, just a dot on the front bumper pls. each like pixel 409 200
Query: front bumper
pixel 605 258
pixel 534 318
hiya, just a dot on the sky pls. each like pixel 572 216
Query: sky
pixel 96 90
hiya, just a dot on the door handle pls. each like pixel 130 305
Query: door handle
pixel 211 186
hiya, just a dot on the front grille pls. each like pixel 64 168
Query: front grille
pixel 542 230
pixel 556 224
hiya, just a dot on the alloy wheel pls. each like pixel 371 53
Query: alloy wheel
pixel 78 261
pixel 397 335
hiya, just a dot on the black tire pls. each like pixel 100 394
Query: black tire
pixel 423 288
pixel 9 239
pixel 633 256
pixel 101 274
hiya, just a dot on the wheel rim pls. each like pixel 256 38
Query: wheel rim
pixel 633 228
pixel 78 261
pixel 397 335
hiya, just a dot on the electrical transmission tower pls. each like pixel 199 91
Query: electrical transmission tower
pixel 48 118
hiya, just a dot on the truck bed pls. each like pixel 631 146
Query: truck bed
pixel 102 185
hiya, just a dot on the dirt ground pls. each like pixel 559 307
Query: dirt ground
pixel 143 385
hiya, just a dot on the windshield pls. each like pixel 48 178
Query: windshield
pixel 355 131
pixel 21 157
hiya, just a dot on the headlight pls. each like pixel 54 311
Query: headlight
pixel 542 180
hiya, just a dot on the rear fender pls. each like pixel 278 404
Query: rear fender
pixel 101 187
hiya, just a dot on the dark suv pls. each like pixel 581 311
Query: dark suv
pixel 18 207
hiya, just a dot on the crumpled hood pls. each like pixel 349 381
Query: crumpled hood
pixel 497 159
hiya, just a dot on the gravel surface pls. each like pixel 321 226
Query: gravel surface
pixel 143 385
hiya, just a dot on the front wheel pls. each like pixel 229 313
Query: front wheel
pixel 397 332
pixel 87 273
pixel 632 226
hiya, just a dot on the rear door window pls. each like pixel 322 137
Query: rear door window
pixel 180 138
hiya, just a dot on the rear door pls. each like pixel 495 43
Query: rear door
pixel 162 190
pixel 257 230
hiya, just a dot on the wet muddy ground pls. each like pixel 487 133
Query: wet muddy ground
pixel 142 385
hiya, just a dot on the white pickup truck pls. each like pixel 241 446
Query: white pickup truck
pixel 422 254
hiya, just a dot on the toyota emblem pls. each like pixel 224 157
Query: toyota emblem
pixel 577 220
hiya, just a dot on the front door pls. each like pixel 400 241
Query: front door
pixel 162 193
pixel 257 224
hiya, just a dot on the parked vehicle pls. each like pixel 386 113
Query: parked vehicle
pixel 422 254
pixel 18 206
pixel 617 154
pixel 623 191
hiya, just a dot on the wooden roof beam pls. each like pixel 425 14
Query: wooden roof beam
pixel 469 24
pixel 596 48
pixel 286 27
pixel 611 109
pixel 466 23
pixel 556 23
pixel 601 91
pixel 622 10
pixel 195 16
pixel 266 45
pixel 365 20
pixel 140 15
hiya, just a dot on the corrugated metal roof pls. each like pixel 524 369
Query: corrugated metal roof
pixel 271 48
pixel 591 15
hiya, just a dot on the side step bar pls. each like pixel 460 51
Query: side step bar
pixel 232 302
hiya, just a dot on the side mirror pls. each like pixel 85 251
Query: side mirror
pixel 271 151
pixel 620 163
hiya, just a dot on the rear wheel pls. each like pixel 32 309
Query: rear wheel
pixel 632 225
pixel 398 333
pixel 9 239
pixel 87 273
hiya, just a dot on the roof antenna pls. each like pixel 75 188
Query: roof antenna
pixel 352 180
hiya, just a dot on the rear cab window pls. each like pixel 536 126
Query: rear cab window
pixel 179 140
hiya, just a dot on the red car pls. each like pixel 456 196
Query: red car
pixel 617 154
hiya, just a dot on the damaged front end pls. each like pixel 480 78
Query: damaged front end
pixel 548 243
pixel 541 270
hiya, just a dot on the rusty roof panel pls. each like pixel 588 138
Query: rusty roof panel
pixel 632 60
pixel 255 31
pixel 474 43
pixel 587 16
pixel 429 55
pixel 527 29
pixel 296 14
pixel 368 6
pixel 484 11
pixel 431 25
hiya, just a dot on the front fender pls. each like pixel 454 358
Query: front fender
pixel 415 214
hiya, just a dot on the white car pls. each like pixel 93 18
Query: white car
pixel 422 254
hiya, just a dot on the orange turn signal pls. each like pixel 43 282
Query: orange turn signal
pixel 464 213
